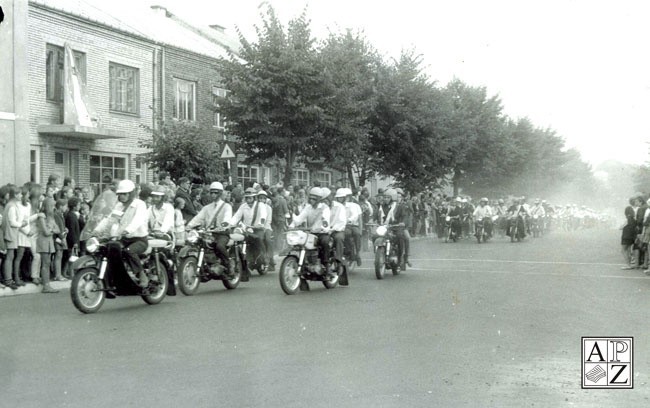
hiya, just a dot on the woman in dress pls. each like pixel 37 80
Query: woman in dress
pixel 47 229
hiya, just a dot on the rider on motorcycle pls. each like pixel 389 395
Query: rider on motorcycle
pixel 354 219
pixel 537 209
pixel 213 216
pixel 253 214
pixel 397 213
pixel 516 209
pixel 484 212
pixel 161 214
pixel 133 229
pixel 317 217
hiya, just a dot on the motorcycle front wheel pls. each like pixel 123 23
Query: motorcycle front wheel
pixel 87 291
pixel 160 283
pixel 188 276
pixel 289 275
pixel 380 262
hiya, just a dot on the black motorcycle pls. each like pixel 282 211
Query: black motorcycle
pixel 517 227
pixel 102 273
pixel 302 263
pixel 388 252
pixel 253 256
pixel 452 226
pixel 198 263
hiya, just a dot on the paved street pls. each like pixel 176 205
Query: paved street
pixel 494 325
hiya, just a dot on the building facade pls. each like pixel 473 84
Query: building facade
pixel 138 66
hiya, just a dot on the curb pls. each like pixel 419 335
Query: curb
pixel 30 288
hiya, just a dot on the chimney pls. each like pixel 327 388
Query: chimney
pixel 217 27
pixel 161 10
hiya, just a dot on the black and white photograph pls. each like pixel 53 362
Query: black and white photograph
pixel 310 203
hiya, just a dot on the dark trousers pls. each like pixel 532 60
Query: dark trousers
pixel 219 243
pixel 132 248
pixel 323 248
pixel 256 243
pixel 268 244
pixel 353 237
pixel 339 242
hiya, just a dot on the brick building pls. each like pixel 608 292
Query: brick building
pixel 137 64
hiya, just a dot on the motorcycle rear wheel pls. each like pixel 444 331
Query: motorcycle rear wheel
pixel 161 286
pixel 188 276
pixel 87 291
pixel 333 281
pixel 233 282
pixel 289 275
pixel 380 262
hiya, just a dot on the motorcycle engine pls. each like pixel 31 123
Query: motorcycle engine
pixel 216 269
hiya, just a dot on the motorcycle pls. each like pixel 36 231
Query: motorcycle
pixel 536 226
pixel 483 230
pixel 198 263
pixel 451 225
pixel 253 257
pixel 302 263
pixel 103 273
pixel 517 228
pixel 388 253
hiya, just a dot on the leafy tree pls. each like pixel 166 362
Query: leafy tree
pixel 182 149
pixel 406 140
pixel 276 90
pixel 475 126
pixel 351 66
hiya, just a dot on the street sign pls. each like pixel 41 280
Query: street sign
pixel 227 152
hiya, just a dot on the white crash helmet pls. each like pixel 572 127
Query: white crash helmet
pixel 216 186
pixel 484 200
pixel 158 191
pixel 125 186
pixel 316 192
pixel 341 192
pixel 325 192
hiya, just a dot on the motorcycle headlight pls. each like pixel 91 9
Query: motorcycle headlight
pixel 382 230
pixel 447 218
pixel 192 237
pixel 92 245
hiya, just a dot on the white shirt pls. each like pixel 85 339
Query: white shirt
pixel 161 219
pixel 207 214
pixel 339 217
pixel 317 219
pixel 481 212
pixel 538 210
pixel 353 212
pixel 134 221
pixel 245 214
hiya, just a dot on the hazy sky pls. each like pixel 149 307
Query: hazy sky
pixel 579 67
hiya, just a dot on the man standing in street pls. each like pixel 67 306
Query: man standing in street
pixel 280 216
pixel 184 191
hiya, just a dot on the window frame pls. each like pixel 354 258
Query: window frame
pixel 100 186
pixel 177 102
pixel 54 91
pixel 113 82
pixel 244 179
pixel 35 174
pixel 217 120
pixel 298 181
pixel 324 173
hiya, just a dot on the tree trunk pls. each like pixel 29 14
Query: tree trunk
pixel 288 169
pixel 351 177
pixel 456 182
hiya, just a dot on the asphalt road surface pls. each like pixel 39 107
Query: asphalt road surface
pixel 490 325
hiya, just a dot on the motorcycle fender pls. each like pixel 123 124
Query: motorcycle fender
pixel 188 250
pixel 85 261
pixel 380 242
